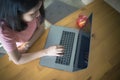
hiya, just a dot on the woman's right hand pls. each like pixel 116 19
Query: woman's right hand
pixel 54 51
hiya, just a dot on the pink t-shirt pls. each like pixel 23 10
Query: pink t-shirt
pixel 11 39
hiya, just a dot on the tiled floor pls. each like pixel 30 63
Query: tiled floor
pixel 75 3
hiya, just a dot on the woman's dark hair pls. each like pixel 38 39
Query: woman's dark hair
pixel 12 10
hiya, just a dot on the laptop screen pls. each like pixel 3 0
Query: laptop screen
pixel 85 44
pixel 88 25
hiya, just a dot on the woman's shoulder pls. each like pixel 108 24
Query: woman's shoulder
pixel 6 33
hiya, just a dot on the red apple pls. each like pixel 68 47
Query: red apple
pixel 81 21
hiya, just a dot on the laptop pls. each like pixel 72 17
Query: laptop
pixel 76 44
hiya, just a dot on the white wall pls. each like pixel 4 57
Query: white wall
pixel 86 2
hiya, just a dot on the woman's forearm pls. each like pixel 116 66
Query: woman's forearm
pixel 18 58
pixel 25 58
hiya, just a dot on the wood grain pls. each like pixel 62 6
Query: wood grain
pixel 104 49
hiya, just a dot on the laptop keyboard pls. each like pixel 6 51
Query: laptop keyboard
pixel 67 41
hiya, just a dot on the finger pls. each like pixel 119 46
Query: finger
pixel 26 48
pixel 23 45
pixel 59 46
pixel 60 54
pixel 60 51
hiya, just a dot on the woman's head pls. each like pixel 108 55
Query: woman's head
pixel 17 12
pixel 32 13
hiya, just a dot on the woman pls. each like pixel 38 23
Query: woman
pixel 21 24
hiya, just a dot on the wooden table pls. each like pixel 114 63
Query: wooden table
pixel 104 63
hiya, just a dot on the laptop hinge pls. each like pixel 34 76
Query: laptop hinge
pixel 77 51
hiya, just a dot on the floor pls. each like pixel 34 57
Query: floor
pixel 114 3
pixel 75 3
pixel 104 54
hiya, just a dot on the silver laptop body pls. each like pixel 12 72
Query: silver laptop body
pixel 80 46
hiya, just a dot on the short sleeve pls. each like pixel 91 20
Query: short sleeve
pixel 7 39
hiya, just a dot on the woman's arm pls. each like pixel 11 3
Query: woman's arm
pixel 18 58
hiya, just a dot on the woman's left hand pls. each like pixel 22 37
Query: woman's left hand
pixel 24 47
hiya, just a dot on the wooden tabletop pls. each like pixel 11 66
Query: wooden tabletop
pixel 104 63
